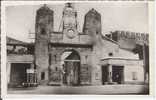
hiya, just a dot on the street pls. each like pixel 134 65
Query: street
pixel 101 90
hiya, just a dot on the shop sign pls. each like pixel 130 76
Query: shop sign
pixel 30 70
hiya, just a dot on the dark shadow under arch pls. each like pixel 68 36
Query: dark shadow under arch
pixel 71 67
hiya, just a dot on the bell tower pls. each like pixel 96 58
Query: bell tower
pixel 69 21
pixel 92 24
pixel 43 28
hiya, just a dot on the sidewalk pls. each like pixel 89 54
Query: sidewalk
pixel 105 90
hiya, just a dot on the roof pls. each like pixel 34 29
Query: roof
pixel 105 37
pixel 93 11
pixel 109 39
pixel 12 41
pixel 44 8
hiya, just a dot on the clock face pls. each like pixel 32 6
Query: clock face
pixel 70 33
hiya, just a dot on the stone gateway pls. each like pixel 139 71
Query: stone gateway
pixel 69 57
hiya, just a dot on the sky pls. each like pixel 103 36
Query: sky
pixel 20 19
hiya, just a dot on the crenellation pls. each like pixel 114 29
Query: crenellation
pixel 138 37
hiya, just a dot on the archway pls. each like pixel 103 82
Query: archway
pixel 70 61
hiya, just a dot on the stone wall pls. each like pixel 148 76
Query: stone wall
pixel 133 74
pixel 128 39
pixel 20 58
pixel 61 38
pixel 43 28
pixel 92 27
pixel 137 43
pixel 55 63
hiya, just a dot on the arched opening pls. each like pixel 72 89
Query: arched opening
pixel 70 61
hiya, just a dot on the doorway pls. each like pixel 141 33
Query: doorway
pixel 117 74
pixel 71 67
pixel 18 74
pixel 104 74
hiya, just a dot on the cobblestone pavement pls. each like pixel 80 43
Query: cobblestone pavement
pixel 105 90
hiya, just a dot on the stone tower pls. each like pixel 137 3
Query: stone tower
pixel 92 23
pixel 92 27
pixel 69 22
pixel 43 28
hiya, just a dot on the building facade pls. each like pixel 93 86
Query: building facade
pixel 70 57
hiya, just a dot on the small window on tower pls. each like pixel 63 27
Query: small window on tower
pixel 96 32
pixel 43 31
pixel 110 54
pixel 42 75
pixel 55 58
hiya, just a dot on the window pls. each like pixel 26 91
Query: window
pixel 49 59
pixel 55 58
pixel 97 32
pixel 110 54
pixel 86 57
pixel 43 31
pixel 87 69
pixel 42 75
pixel 134 75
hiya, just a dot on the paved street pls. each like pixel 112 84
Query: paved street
pixel 106 90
